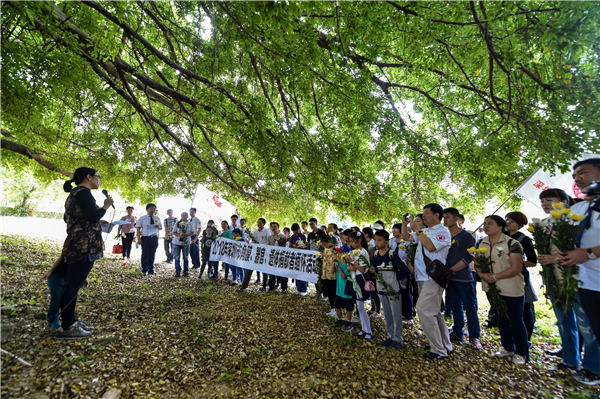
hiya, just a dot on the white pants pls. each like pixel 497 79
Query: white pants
pixel 364 317
pixel 431 318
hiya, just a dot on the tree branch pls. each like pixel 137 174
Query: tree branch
pixel 31 154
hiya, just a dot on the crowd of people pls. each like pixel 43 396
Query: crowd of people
pixel 425 266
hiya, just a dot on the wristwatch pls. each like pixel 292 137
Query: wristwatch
pixel 591 254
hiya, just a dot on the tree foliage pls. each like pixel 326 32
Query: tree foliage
pixel 291 107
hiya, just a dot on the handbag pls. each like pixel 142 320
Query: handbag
pixel 437 270
pixel 369 286
pixel 117 249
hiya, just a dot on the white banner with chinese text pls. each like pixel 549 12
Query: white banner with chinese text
pixel 299 264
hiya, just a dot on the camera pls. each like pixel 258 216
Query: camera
pixel 594 190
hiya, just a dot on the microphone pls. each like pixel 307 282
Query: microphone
pixel 106 195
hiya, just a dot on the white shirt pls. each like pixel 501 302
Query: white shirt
pixel 261 236
pixel 196 224
pixel 183 228
pixel 589 271
pixel 148 229
pixel 442 239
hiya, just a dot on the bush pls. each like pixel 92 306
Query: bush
pixel 28 211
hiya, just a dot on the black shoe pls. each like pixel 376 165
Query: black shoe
pixel 195 267
pixel 586 377
pixel 387 342
pixel 177 274
pixel 339 324
pixel 241 289
pixel 557 353
pixel 435 356
pixel 396 345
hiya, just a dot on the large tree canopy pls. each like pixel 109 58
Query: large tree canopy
pixel 366 108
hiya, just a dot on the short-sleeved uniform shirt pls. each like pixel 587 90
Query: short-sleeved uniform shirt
pixel 149 228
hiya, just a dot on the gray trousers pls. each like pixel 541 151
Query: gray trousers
pixel 392 311
pixel 431 318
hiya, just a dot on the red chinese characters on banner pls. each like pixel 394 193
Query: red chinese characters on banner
pixel 215 199
pixel 541 185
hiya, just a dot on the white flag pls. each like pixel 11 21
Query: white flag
pixel 542 180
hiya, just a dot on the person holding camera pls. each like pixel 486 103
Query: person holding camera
pixel 433 243
pixel 586 174
pixel 82 247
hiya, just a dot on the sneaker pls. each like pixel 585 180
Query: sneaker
pixel 368 336
pixel 518 359
pixel 241 289
pixel 53 326
pixel 387 342
pixel 85 326
pixel 75 332
pixel 476 343
pixel 361 334
pixel 347 327
pixel 435 356
pixel 303 294
pixel 177 274
pixel 355 320
pixel 586 377
pixel 396 345
pixel 339 323
pixel 124 262
pixel 332 313
pixel 186 274
pixel 504 353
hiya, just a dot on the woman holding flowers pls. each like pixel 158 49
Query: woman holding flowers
pixel 502 271
pixel 514 222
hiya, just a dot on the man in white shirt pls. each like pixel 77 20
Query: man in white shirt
pixel 234 223
pixel 587 257
pixel 147 228
pixel 433 242
pixel 195 242
pixel 261 236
